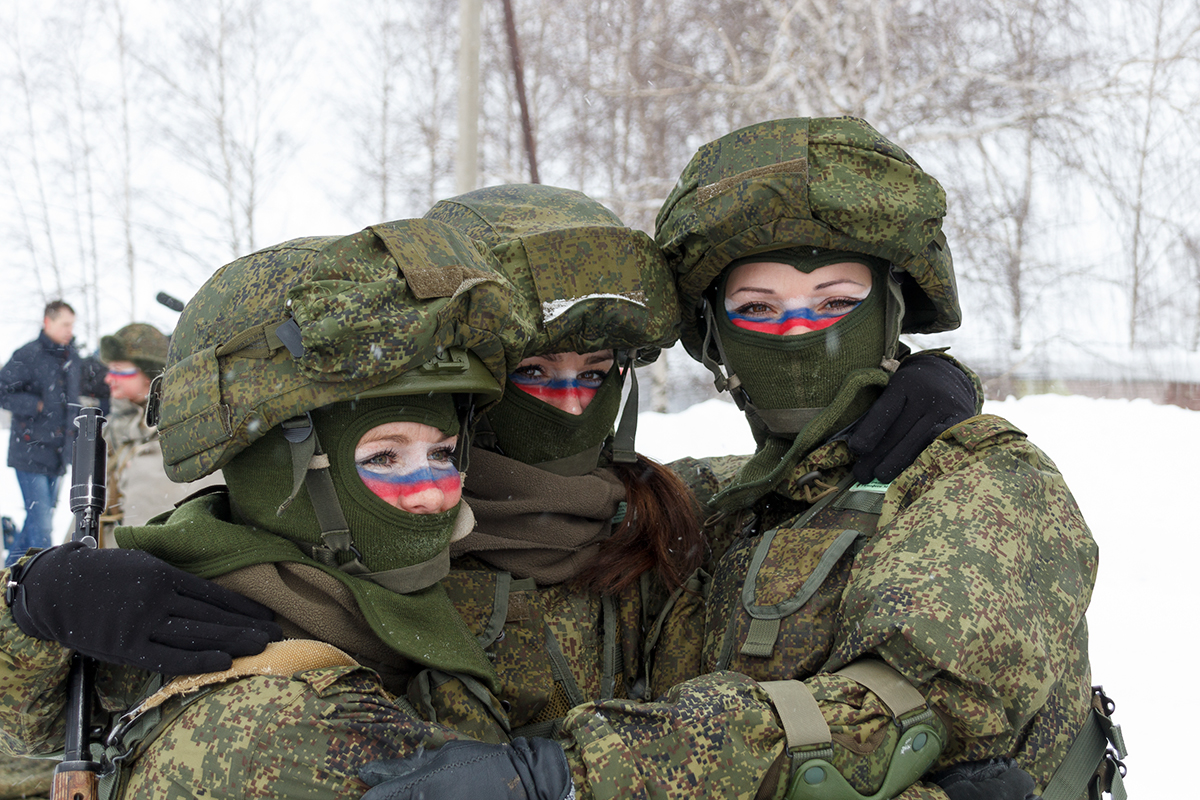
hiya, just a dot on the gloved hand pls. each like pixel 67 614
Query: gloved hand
pixel 997 779
pixel 527 769
pixel 927 395
pixel 128 607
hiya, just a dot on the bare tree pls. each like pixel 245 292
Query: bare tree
pixel 1146 177
pixel 228 70
pixel 33 205
pixel 398 100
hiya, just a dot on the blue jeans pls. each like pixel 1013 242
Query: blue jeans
pixel 41 495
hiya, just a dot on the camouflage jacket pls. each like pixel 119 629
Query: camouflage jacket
pixel 306 734
pixel 972 582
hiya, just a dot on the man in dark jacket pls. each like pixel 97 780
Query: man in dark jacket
pixel 37 385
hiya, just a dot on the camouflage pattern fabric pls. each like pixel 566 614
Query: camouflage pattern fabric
pixel 832 183
pixel 307 734
pixel 143 345
pixel 590 282
pixel 25 778
pixel 368 307
pixel 973 586
pixel 524 628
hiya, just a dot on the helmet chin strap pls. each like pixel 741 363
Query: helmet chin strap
pixel 894 320
pixel 722 381
pixel 310 467
pixel 623 451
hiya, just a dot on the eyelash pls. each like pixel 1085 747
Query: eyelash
pixel 829 304
pixel 440 455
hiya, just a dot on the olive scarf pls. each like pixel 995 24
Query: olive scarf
pixel 422 627
pixel 536 524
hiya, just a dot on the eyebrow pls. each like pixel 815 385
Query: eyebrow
pixel 818 287
pixel 400 439
pixel 594 358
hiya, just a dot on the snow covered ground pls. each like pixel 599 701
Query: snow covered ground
pixel 1130 465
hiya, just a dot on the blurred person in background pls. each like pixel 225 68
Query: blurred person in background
pixel 138 486
pixel 38 385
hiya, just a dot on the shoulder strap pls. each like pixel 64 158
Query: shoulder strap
pixel 1092 766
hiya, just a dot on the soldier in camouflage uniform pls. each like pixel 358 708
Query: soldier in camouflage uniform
pixel 138 488
pixel 282 369
pixel 968 575
pixel 582 540
pixel 333 308
pixel 919 639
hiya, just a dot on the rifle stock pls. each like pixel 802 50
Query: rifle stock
pixel 76 777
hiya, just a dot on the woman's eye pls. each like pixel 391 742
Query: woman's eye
pixel 591 379
pixel 527 374
pixel 839 305
pixel 755 309
pixel 384 459
pixel 442 457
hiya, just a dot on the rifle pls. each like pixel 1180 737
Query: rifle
pixel 76 777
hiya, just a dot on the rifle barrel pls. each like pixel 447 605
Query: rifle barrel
pixel 76 777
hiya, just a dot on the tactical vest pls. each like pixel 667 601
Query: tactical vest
pixel 775 597
pixel 773 614
pixel 553 648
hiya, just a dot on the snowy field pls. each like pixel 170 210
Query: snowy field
pixel 1127 463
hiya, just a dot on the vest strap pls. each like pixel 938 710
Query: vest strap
pixel 1093 764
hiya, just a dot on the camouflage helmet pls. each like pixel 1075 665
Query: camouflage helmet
pixel 402 307
pixel 144 346
pixel 832 183
pixel 590 282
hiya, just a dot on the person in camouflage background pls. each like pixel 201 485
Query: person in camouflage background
pixel 968 574
pixel 963 578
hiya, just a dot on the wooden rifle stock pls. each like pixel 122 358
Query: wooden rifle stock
pixel 76 777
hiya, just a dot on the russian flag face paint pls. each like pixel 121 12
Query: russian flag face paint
pixel 789 321
pixel 567 381
pixel 410 466
pixel 778 299
pixel 567 391
pixel 397 488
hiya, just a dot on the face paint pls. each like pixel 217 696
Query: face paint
pixel 395 487
pixel 778 299
pixel 555 392
pixel 118 374
pixel 410 466
pixel 567 381
pixel 792 320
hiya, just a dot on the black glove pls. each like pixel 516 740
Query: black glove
pixel 533 769
pixel 997 779
pixel 926 396
pixel 128 607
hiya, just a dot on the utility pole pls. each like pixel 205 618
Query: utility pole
pixel 466 160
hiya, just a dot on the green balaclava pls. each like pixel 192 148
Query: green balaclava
pixel 798 390
pixel 804 372
pixel 534 432
pixel 387 538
